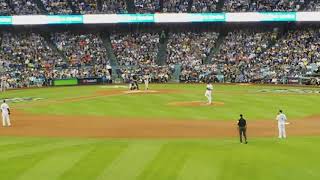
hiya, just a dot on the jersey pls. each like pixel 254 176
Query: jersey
pixel 281 118
pixel 146 78
pixel 4 108
pixel 242 122
pixel 209 87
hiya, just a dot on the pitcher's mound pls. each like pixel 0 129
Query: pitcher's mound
pixel 141 92
pixel 195 103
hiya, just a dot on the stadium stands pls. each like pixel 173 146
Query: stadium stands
pixel 114 6
pixel 81 49
pixel 25 7
pixel 57 6
pixel 85 6
pixel 135 49
pixel 176 6
pixel 190 48
pixel 204 6
pixel 4 8
pixel 147 6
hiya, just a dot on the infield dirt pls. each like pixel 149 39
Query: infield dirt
pixel 103 127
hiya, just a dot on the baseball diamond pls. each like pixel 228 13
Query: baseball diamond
pixel 159 89
pixel 103 132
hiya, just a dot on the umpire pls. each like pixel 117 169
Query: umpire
pixel 242 125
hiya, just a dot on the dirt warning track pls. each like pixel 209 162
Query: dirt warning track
pixel 104 127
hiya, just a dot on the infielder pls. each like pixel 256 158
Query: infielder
pixel 5 114
pixel 146 80
pixel 208 93
pixel 281 118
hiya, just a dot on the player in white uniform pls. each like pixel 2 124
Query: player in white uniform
pixel 146 80
pixel 208 93
pixel 5 114
pixel 281 118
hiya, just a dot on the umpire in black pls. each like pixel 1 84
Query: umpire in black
pixel 242 126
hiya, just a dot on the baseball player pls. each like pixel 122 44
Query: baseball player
pixel 146 80
pixel 5 114
pixel 208 93
pixel 281 118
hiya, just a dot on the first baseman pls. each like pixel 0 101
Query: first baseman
pixel 5 114
pixel 281 118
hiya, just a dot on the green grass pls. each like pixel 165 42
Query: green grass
pixel 238 99
pixel 179 159
pixel 220 159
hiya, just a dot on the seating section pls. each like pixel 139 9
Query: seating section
pixel 57 7
pixel 190 48
pixel 135 49
pixel 81 49
pixel 176 6
pixel 147 6
pixel 114 7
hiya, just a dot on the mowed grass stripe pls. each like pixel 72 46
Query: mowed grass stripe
pixel 93 163
pixel 167 164
pixel 202 164
pixel 23 145
pixel 56 163
pixel 12 168
pixel 41 147
pixel 132 161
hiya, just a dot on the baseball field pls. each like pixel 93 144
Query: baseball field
pixel 165 133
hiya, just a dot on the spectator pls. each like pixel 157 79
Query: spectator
pixel 4 8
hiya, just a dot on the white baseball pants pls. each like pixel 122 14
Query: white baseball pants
pixel 6 120
pixel 282 130
pixel 209 97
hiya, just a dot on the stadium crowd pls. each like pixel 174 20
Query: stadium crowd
pixel 204 6
pixel 147 6
pixel 114 7
pixel 242 56
pixel 135 49
pixel 4 8
pixel 175 6
pixel 57 7
pixel 81 49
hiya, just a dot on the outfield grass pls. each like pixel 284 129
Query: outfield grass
pixel 238 99
pixel 224 159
